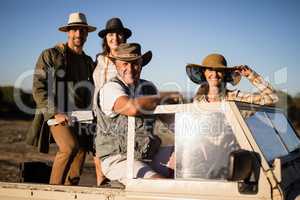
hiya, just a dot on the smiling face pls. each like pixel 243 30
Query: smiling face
pixel 129 72
pixel 214 77
pixel 77 36
pixel 114 40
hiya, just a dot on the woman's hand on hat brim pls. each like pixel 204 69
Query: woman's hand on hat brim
pixel 243 70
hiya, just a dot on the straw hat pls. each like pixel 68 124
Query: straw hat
pixel 212 61
pixel 77 19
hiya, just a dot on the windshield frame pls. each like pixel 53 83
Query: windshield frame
pixel 267 110
pixel 165 109
pixel 208 185
pixel 223 106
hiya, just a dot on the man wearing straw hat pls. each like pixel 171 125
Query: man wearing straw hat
pixel 62 84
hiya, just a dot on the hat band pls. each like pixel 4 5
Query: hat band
pixel 78 23
pixel 115 28
pixel 128 55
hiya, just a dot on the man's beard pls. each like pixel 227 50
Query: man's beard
pixel 79 43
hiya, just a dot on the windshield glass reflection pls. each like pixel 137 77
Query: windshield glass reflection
pixel 272 132
pixel 203 141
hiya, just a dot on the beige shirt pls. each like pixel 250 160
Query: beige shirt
pixel 104 71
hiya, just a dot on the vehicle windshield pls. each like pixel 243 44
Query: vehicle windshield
pixel 272 132
pixel 203 142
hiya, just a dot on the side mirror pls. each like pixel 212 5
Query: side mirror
pixel 241 165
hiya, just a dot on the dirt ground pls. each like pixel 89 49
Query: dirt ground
pixel 14 151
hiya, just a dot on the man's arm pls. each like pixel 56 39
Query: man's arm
pixel 137 106
pixel 41 83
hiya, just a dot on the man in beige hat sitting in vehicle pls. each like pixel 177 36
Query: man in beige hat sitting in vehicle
pixel 62 84
pixel 123 96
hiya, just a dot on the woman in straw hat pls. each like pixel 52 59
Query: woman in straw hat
pixel 112 36
pixel 213 75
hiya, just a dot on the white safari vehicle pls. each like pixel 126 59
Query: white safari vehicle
pixel 225 150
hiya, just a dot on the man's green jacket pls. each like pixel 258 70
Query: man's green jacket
pixel 49 71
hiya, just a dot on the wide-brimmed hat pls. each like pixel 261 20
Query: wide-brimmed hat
pixel 131 52
pixel 115 25
pixel 212 61
pixel 77 19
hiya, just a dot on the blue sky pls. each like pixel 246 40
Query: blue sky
pixel 264 34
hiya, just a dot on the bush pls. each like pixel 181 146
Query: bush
pixel 8 106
